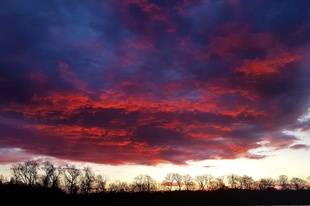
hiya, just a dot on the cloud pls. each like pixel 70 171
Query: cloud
pixel 210 166
pixel 150 82
pixel 300 146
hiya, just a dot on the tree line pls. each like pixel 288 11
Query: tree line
pixel 72 180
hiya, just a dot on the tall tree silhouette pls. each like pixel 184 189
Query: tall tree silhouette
pixel 101 182
pixel 178 178
pixel 284 182
pixel 71 174
pixel 200 181
pixel 27 172
pixel 140 182
pixel 266 183
pixel 298 183
pixel 208 181
pixel 150 183
pixel 219 182
pixel 16 174
pixel 232 180
pixel 87 181
pixel 247 182
pixel 169 180
pixel 49 170
pixel 118 186
pixel 188 181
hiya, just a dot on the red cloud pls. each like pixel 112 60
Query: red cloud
pixel 272 64
pixel 147 83
pixel 240 38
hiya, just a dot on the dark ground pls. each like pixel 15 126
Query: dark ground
pixel 22 195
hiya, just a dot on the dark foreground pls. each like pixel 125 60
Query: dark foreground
pixel 20 195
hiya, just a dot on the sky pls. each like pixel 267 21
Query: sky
pixel 133 87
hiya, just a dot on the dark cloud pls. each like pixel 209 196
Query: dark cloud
pixel 300 146
pixel 150 82
pixel 166 3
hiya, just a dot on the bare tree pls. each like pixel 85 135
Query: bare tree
pixel 82 185
pixel 71 174
pixel 200 181
pixel 178 178
pixel 31 170
pixel 150 184
pixel 284 182
pixel 56 177
pixel 169 180
pixel 27 172
pixel 219 182
pixel 87 181
pixel 188 181
pixel 247 182
pixel 232 180
pixel 208 181
pixel 101 182
pixel 118 186
pixel 16 174
pixel 113 188
pixel 144 183
pixel 240 182
pixel 298 183
pixel 132 187
pixel 140 182
pixel 48 169
pixel 266 183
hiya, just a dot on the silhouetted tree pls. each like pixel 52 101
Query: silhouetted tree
pixel 118 186
pixel 101 182
pixel 284 182
pixel 169 180
pixel 188 181
pixel 298 183
pixel 232 180
pixel 266 183
pixel 48 169
pixel 56 177
pixel 132 187
pixel 87 181
pixel 200 180
pixel 247 182
pixel 219 182
pixel 71 174
pixel 208 181
pixel 140 182
pixel 16 174
pixel 113 187
pixel 239 182
pixel 150 184
pixel 144 183
pixel 178 178
pixel 27 172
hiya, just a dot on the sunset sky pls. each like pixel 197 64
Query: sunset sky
pixel 133 87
